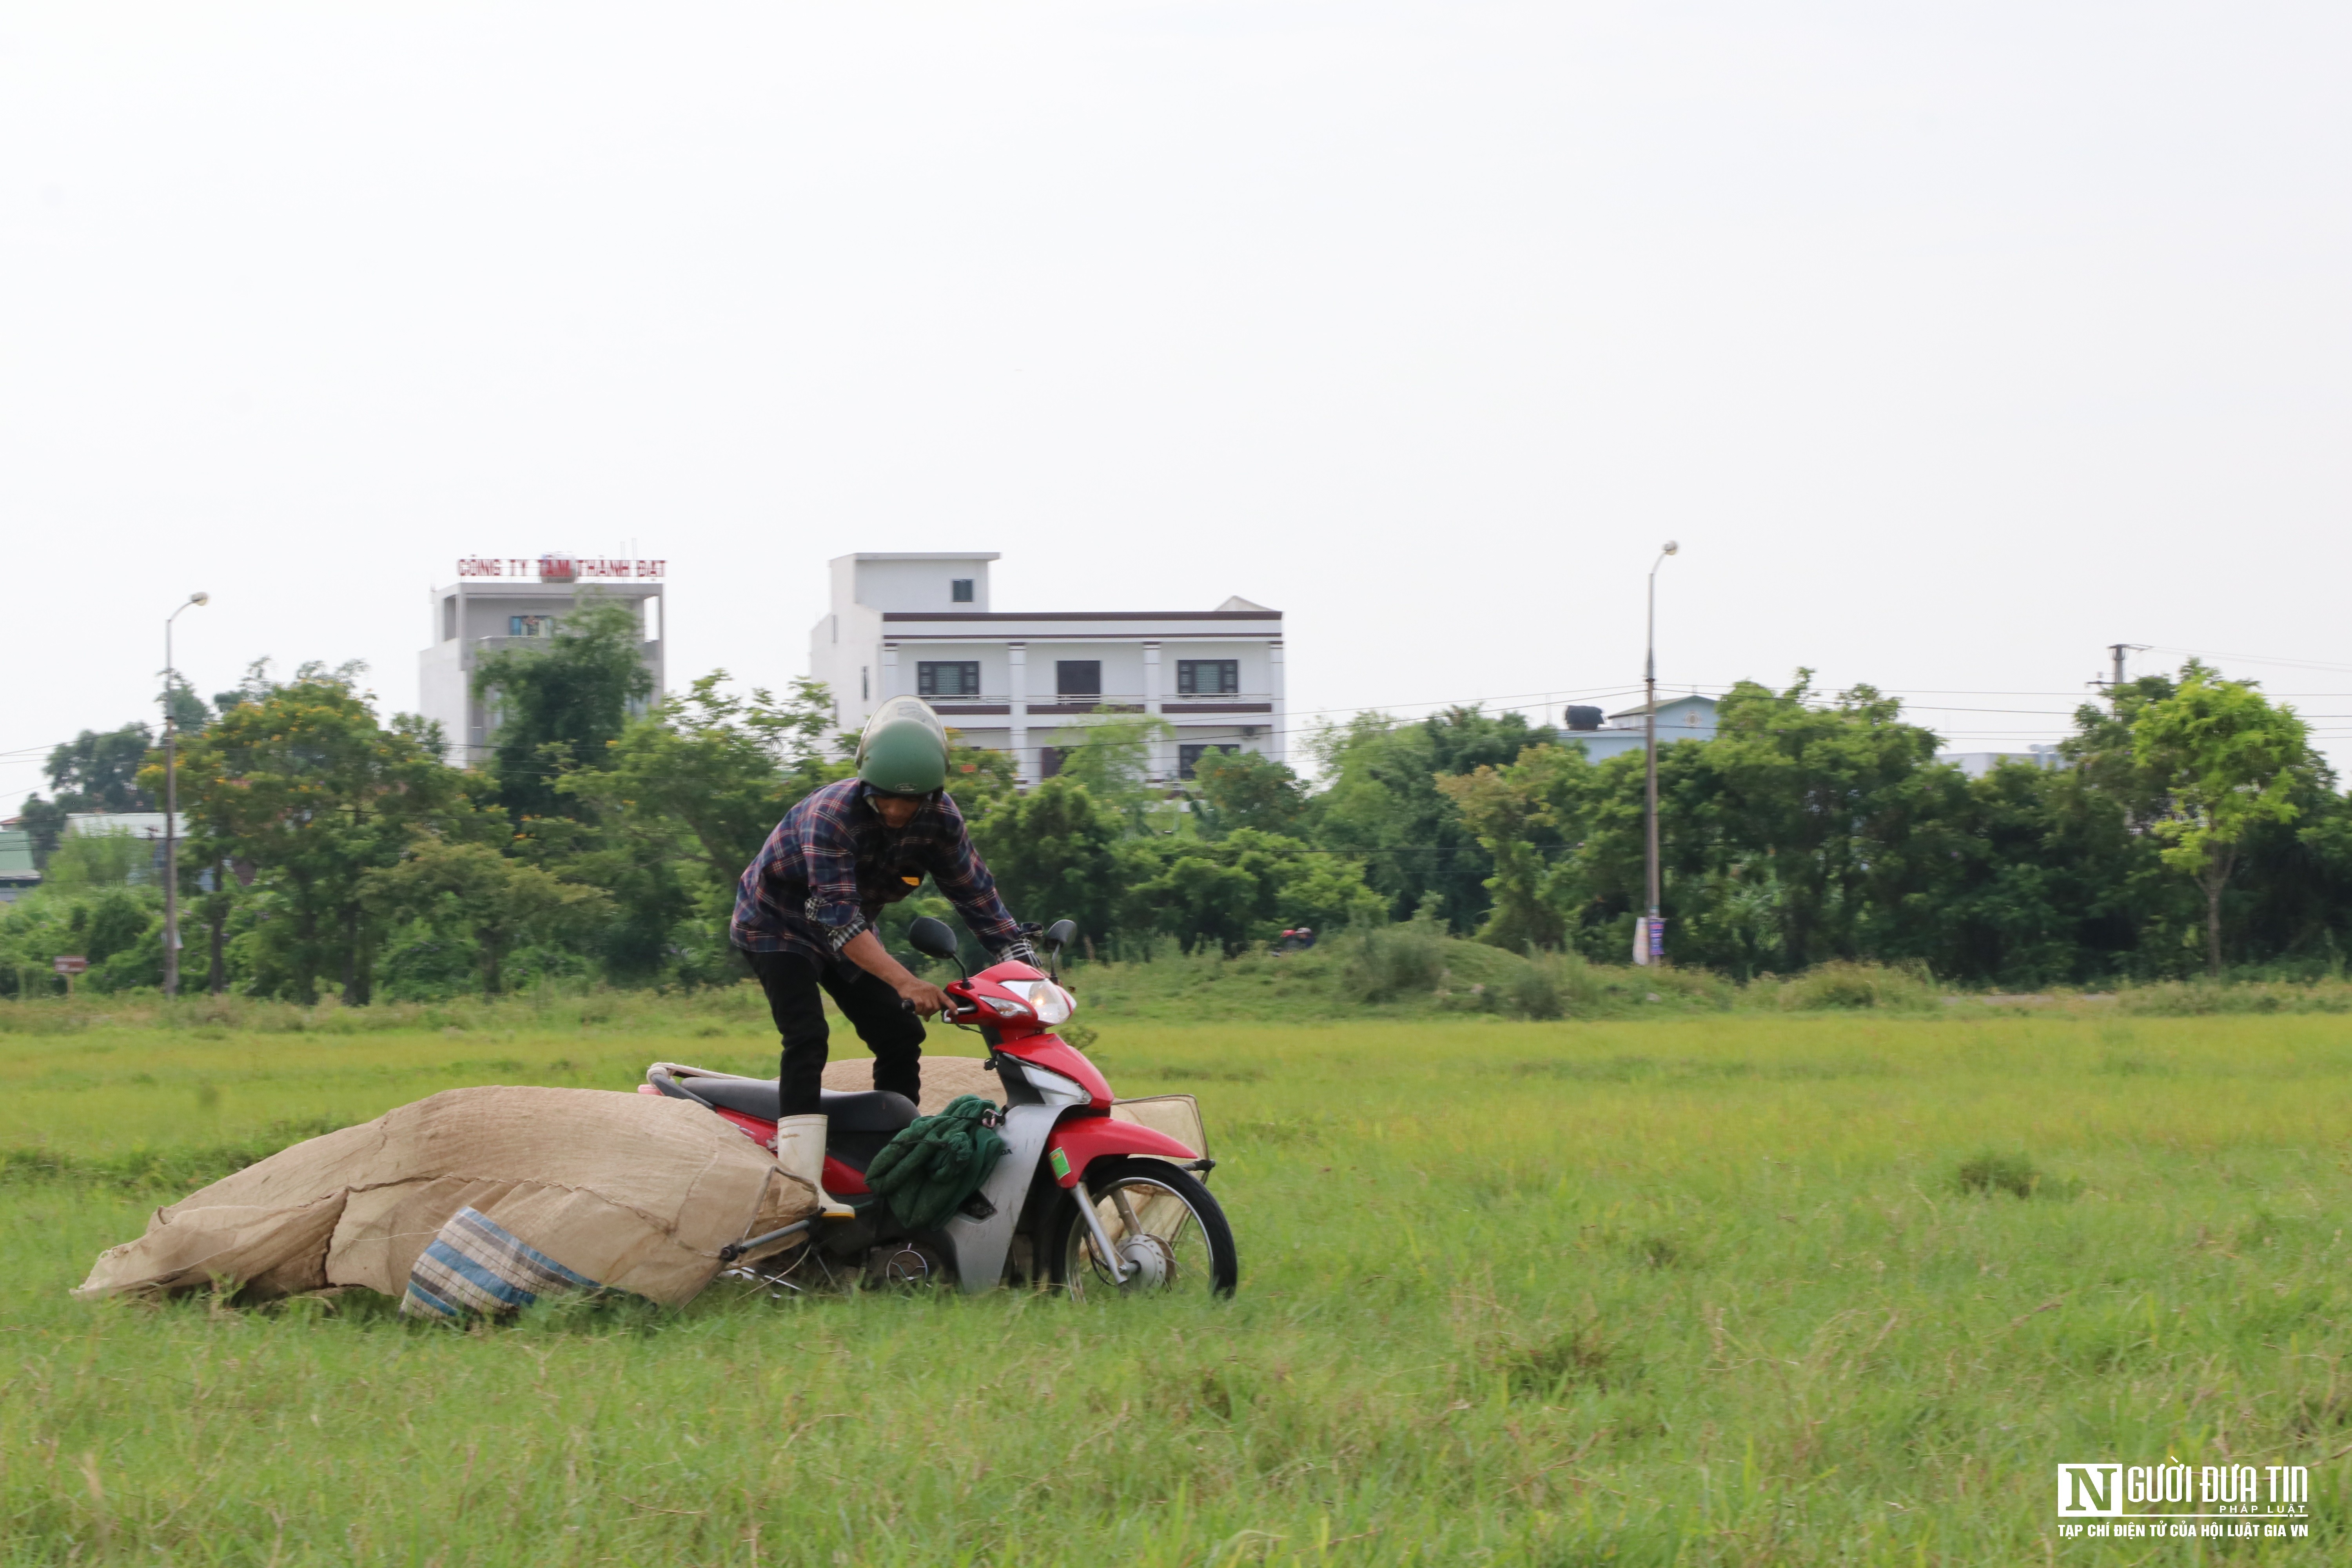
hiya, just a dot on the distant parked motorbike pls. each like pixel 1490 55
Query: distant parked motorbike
pixel 1093 1194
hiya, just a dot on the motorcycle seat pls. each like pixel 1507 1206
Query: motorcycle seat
pixel 854 1110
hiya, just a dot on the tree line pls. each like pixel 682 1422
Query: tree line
pixel 2191 827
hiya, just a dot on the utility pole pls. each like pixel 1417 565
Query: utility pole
pixel 170 809
pixel 2116 651
pixel 1649 946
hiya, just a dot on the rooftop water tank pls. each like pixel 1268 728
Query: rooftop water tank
pixel 1582 718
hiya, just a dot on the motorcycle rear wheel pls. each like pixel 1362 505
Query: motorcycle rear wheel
pixel 1169 1230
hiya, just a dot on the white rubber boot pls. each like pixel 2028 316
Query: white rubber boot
pixel 800 1150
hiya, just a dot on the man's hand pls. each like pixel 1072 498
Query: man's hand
pixel 922 995
pixel 865 950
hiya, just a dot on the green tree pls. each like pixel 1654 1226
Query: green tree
pixel 672 812
pixel 1111 758
pixel 1057 853
pixel 1242 789
pixel 2224 761
pixel 1516 812
pixel 45 823
pixel 97 770
pixel 2040 885
pixel 1238 892
pixel 189 714
pixel 310 791
pixel 1806 830
pixel 1383 805
pixel 1837 806
pixel 102 860
pixel 500 903
pixel 723 768
pixel 562 705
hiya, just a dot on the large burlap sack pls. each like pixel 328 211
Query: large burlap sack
pixel 621 1192
pixel 944 1079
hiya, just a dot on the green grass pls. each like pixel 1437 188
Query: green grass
pixel 1750 1288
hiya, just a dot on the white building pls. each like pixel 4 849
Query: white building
pixel 500 603
pixel 918 623
pixel 1976 764
pixel 1679 718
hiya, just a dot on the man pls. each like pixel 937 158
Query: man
pixel 805 907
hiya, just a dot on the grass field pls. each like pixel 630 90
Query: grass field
pixel 1689 1289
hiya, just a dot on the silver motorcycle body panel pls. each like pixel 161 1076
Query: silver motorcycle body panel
pixel 979 1247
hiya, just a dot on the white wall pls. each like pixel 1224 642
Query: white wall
pixel 444 668
pixel 840 645
pixel 919 585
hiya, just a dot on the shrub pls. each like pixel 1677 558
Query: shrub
pixel 1535 991
pixel 1545 1366
pixel 1993 1171
pixel 1842 986
pixel 1703 986
pixel 1381 963
pixel 2200 998
pixel 1555 986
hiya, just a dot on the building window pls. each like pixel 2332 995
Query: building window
pixel 1049 761
pixel 1188 758
pixel 947 677
pixel 959 590
pixel 450 617
pixel 864 685
pixel 1208 677
pixel 1077 676
pixel 530 626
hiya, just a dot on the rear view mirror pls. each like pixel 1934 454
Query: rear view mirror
pixel 1059 933
pixel 932 937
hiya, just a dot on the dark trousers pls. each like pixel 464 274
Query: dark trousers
pixel 882 1020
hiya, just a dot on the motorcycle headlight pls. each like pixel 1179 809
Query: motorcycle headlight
pixel 1048 1001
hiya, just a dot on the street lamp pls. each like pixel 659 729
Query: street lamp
pixel 1650 943
pixel 172 808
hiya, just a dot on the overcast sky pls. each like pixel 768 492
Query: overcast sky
pixel 1953 342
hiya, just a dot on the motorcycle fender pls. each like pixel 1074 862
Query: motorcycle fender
pixel 1079 1142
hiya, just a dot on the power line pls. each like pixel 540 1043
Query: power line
pixel 2249 658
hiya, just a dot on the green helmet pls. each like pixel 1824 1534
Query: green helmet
pixel 903 750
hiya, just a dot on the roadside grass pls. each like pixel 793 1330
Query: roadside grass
pixel 1752 1288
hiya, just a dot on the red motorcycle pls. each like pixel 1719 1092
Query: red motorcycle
pixel 1093 1194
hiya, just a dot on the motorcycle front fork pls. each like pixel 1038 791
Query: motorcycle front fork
pixel 1111 1259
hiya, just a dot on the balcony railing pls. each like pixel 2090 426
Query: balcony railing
pixel 1069 705
pixel 480 645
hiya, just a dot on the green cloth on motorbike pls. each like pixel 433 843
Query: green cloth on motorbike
pixel 936 1162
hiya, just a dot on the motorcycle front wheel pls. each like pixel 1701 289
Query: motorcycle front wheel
pixel 1169 1233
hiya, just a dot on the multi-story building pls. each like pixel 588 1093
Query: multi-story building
pixel 500 602
pixel 1031 683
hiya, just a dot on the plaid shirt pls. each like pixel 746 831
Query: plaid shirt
pixel 831 863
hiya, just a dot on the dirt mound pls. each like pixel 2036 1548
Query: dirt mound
pixel 944 1078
